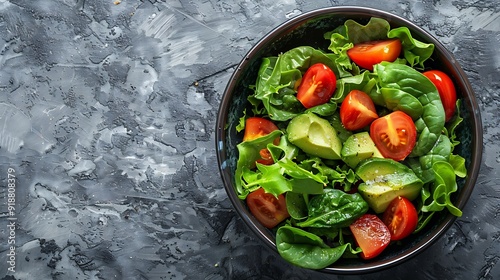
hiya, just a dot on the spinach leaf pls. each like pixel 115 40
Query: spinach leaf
pixel 404 78
pixel 296 205
pixel 305 249
pixel 328 234
pixel 334 209
pixel 326 109
pixel 398 100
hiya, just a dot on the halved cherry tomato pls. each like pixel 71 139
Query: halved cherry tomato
pixel 357 110
pixel 394 135
pixel 400 217
pixel 370 53
pixel 446 90
pixel 269 210
pixel 371 235
pixel 256 127
pixel 317 85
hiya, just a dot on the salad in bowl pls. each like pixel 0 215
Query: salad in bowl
pixel 351 148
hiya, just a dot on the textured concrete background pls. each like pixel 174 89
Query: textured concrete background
pixel 107 116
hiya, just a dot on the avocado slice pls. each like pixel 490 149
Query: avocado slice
pixel 314 135
pixel 384 180
pixel 358 147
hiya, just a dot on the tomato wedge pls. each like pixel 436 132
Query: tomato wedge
pixel 269 210
pixel 357 110
pixel 446 90
pixel 367 54
pixel 400 217
pixel 317 85
pixel 394 135
pixel 256 127
pixel 371 235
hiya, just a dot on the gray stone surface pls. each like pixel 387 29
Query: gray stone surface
pixel 107 116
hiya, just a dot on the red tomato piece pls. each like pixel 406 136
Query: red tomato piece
pixel 394 135
pixel 371 235
pixel 400 217
pixel 317 85
pixel 367 54
pixel 357 110
pixel 446 90
pixel 256 127
pixel 269 210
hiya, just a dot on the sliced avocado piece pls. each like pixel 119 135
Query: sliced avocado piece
pixel 358 147
pixel 314 135
pixel 384 180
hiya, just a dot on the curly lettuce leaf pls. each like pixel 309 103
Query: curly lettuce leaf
pixel 453 124
pixel 375 29
pixel 343 38
pixel 249 152
pixel 343 176
pixel 414 51
pixel 422 166
pixel 437 196
pixel 282 176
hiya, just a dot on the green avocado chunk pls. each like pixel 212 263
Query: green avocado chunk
pixel 358 147
pixel 384 180
pixel 314 135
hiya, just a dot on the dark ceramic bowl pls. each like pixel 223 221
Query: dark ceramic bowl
pixel 308 29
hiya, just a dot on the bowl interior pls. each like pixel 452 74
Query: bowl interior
pixel 308 29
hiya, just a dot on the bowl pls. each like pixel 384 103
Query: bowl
pixel 308 29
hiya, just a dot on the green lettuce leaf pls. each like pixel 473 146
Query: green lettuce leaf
pixel 307 250
pixel 437 196
pixel 414 51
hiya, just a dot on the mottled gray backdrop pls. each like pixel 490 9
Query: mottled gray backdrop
pixel 107 117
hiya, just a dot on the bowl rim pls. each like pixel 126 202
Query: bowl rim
pixel 468 94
